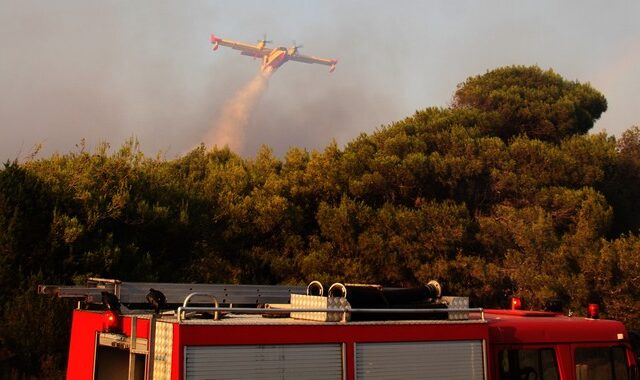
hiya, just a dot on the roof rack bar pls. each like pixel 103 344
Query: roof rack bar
pixel 253 310
pixel 247 310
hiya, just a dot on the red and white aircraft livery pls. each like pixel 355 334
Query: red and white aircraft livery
pixel 272 58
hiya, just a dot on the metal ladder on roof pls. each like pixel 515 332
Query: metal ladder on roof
pixel 132 293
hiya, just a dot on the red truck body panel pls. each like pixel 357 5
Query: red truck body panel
pixel 205 335
pixel 84 329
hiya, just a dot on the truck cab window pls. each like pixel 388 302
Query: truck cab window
pixel 601 363
pixel 529 364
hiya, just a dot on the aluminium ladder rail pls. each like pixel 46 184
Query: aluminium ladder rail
pixel 136 292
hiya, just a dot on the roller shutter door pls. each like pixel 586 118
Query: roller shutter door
pixel 294 361
pixel 420 360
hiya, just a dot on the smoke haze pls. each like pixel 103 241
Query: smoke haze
pixel 108 70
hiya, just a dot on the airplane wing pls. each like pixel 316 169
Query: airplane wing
pixel 311 59
pixel 246 49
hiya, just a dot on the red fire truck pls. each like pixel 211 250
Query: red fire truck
pixel 354 332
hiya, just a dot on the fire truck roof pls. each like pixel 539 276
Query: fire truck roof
pixel 544 327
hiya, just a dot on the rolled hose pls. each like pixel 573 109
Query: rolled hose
pixel 377 297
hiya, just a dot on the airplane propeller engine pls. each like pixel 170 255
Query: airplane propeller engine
pixel 293 50
pixel 264 40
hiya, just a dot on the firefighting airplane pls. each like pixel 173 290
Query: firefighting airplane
pixel 272 58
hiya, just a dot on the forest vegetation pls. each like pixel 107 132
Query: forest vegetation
pixel 502 193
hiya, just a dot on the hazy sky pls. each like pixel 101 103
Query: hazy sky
pixel 108 70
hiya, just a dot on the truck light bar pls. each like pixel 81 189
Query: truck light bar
pixel 593 311
pixel 516 303
pixel 111 321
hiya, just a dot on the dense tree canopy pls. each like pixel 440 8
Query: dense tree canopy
pixel 502 193
pixel 528 101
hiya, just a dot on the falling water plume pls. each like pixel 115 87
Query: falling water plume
pixel 229 129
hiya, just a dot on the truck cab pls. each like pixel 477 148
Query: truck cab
pixel 551 346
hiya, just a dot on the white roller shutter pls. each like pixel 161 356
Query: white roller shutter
pixel 420 360
pixel 294 361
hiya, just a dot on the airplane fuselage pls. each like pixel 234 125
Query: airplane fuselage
pixel 275 59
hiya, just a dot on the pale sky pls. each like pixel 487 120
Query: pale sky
pixel 108 70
